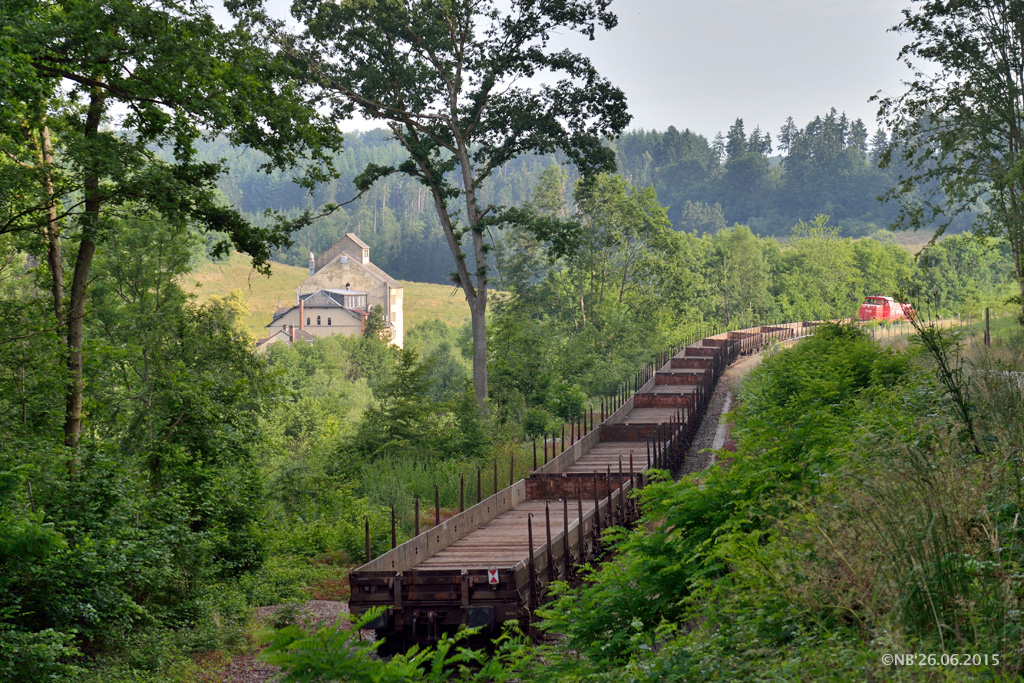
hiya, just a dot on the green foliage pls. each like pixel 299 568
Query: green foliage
pixel 337 653
pixel 405 422
pixel 851 523
pixel 441 348
pixel 797 406
pixel 376 326
pixel 164 496
pixel 27 543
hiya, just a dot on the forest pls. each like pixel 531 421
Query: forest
pixel 766 181
pixel 161 481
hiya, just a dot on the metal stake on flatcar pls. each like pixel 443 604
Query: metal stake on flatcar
pixel 565 537
pixel 632 482
pixel 533 568
pixel 579 530
pixel 608 488
pixel 622 499
pixel 550 553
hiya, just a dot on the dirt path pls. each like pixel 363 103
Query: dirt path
pixel 712 429
pixel 246 668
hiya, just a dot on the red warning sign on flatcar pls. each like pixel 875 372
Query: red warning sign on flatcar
pixel 492 576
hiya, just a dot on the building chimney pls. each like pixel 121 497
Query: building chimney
pixel 291 333
pixel 302 313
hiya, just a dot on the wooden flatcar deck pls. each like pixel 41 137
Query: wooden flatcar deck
pixel 652 415
pixel 502 542
pixel 607 454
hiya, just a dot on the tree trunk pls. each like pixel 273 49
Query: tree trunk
pixel 1018 263
pixel 80 282
pixel 478 311
pixel 478 303
pixel 52 231
pixel 76 316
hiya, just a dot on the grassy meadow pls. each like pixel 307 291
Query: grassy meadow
pixel 265 294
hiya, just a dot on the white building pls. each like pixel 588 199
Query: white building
pixel 342 289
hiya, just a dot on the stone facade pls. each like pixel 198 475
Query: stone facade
pixel 320 322
pixel 345 267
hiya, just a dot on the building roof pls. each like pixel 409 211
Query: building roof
pixel 278 313
pixel 352 236
pixel 323 298
pixel 285 337
pixel 376 270
pixel 327 298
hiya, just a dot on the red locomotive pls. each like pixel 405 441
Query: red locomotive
pixel 884 308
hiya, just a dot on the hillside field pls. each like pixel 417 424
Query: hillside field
pixel 265 294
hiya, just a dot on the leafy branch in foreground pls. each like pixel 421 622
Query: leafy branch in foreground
pixel 959 127
pixel 338 653
pixel 944 348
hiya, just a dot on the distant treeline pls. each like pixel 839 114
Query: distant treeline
pixel 755 178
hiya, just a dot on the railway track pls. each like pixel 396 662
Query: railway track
pixel 493 562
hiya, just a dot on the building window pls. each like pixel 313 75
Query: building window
pixel 328 322
pixel 366 253
pixel 318 320
pixel 394 316
pixel 394 299
pixel 307 322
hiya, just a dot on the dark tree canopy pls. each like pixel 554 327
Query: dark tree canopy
pixel 91 88
pixel 457 84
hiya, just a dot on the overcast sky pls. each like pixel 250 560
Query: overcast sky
pixel 700 64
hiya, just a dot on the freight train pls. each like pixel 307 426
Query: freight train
pixel 493 562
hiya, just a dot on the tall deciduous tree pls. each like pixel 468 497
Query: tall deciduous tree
pixel 959 127
pixel 456 83
pixel 113 80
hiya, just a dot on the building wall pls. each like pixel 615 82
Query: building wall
pixel 339 273
pixel 346 245
pixel 394 310
pixel 341 322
